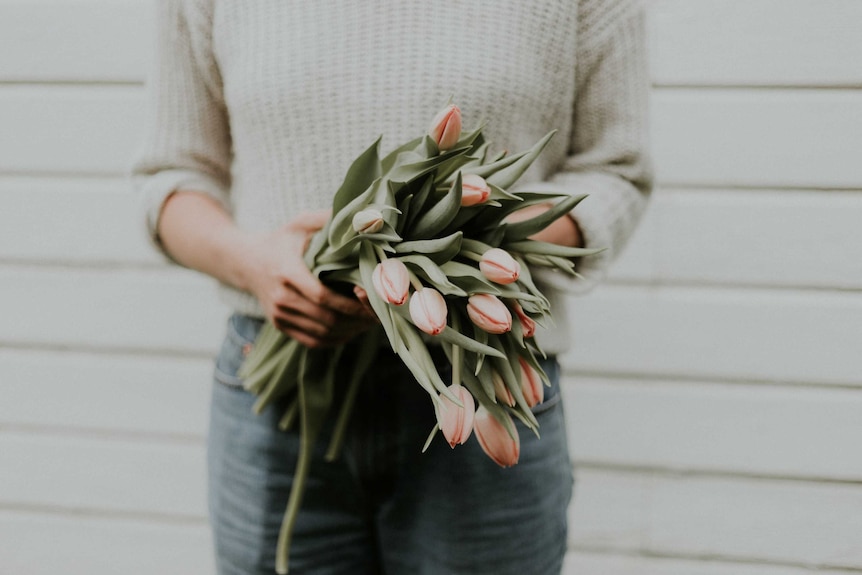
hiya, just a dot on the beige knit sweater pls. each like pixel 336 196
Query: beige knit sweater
pixel 263 104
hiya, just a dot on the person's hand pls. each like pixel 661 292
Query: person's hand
pixel 563 231
pixel 293 299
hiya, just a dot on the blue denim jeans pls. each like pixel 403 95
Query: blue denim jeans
pixel 383 506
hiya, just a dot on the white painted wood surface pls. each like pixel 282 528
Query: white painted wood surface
pixel 787 522
pixel 767 43
pixel 75 40
pixel 46 543
pixel 713 394
pixel 763 430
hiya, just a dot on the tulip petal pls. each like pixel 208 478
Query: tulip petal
pixel 456 421
pixel 502 448
pixel 489 313
pixel 428 310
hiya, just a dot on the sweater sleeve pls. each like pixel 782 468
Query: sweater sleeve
pixel 607 156
pixel 188 144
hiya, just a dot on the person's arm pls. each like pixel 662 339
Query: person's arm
pixel 608 151
pixel 183 174
pixel 198 233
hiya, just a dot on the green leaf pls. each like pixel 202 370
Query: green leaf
pixel 439 215
pixel 468 278
pixel 510 369
pixel 439 250
pixel 549 249
pixel 409 172
pixel 522 230
pixel 362 352
pixel 405 207
pixel 420 199
pixel 498 193
pixel 316 387
pixel 417 354
pixel 389 161
pixel 457 338
pixel 431 272
pixel 507 176
pixel 284 377
pixel 268 340
pixel 341 224
pixel 362 172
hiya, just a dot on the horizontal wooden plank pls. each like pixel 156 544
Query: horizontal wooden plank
pixel 749 237
pixel 786 522
pixel 85 220
pixel 586 563
pixel 75 41
pixel 769 138
pixel 702 137
pixel 73 220
pixel 763 42
pixel 171 310
pixel 43 544
pixel 807 337
pixel 106 474
pixel 760 430
pixel 809 524
pixel 756 43
pixel 84 130
pixel 107 393
pixel 767 335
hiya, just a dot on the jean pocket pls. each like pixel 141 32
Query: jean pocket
pixel 241 332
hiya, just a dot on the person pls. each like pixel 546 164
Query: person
pixel 257 110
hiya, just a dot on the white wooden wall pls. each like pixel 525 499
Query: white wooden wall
pixel 715 392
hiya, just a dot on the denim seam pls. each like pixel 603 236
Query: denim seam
pixel 546 405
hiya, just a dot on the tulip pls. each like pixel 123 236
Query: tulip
pixel 428 310
pixel 391 281
pixel 499 267
pixel 367 221
pixel 531 384
pixel 446 127
pixel 474 190
pixel 489 313
pixel 501 390
pixel 456 421
pixel 495 440
pixel 528 324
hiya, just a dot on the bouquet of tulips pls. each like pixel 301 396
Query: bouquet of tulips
pixel 423 231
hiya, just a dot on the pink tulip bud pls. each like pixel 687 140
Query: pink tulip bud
pixel 367 221
pixel 489 313
pixel 474 190
pixel 528 324
pixel 391 281
pixel 446 127
pixel 531 384
pixel 428 310
pixel 501 391
pixel 495 440
pixel 455 421
pixel 499 267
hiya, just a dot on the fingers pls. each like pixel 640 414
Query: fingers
pixel 310 221
pixel 312 334
pixel 320 295
pixel 362 296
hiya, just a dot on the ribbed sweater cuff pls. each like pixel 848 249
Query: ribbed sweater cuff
pixel 157 188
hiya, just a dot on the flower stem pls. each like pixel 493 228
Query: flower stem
pixel 415 281
pixel 471 255
pixel 456 354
